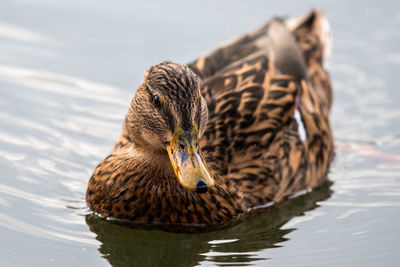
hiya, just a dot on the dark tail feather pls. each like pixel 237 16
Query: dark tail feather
pixel 313 37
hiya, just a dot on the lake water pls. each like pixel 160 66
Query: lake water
pixel 68 70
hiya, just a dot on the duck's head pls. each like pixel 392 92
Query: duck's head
pixel 168 115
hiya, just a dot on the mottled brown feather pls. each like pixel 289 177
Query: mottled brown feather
pixel 251 141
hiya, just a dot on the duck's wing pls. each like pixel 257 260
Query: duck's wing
pixel 256 90
pixel 262 58
pixel 253 86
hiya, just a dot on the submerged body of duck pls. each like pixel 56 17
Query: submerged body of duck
pixel 243 126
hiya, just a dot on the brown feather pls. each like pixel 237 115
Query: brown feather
pixel 251 89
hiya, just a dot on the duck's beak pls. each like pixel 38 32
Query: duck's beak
pixel 187 161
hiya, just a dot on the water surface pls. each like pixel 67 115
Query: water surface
pixel 67 73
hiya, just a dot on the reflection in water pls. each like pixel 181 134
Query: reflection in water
pixel 123 246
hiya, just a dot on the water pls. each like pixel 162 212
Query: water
pixel 67 73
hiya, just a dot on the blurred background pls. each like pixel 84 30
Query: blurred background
pixel 68 70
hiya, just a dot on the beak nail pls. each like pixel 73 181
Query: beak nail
pixel 201 186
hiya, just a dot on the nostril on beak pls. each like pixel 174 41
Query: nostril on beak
pixel 201 186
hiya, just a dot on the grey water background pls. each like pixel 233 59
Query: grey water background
pixel 68 70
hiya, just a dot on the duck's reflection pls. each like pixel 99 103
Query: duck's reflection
pixel 123 246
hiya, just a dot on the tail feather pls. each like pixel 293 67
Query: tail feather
pixel 314 38
pixel 313 34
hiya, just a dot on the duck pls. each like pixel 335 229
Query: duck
pixel 243 127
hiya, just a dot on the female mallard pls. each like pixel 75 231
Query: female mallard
pixel 241 127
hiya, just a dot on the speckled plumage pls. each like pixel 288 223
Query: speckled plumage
pixel 252 87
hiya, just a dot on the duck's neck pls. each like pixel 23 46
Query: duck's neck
pixel 156 160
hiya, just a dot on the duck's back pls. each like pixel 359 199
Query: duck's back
pixel 268 95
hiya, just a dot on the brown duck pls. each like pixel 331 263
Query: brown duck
pixel 242 127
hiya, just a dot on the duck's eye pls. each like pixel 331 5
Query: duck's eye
pixel 156 100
